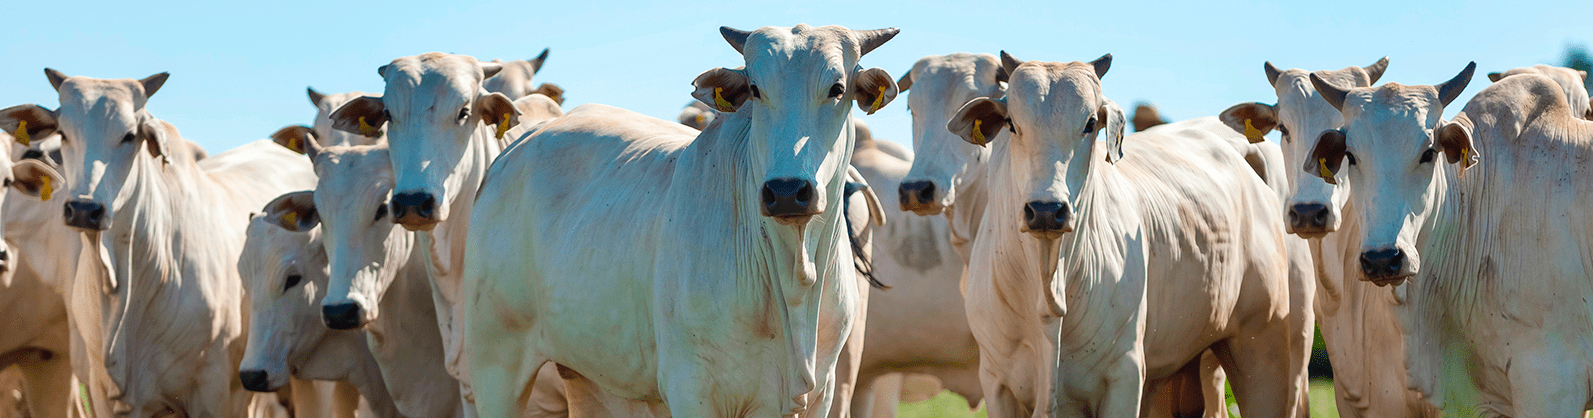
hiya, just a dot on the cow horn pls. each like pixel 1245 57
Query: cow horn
pixel 1333 94
pixel 56 78
pixel 1272 73
pixel 736 37
pixel 1451 89
pixel 1009 63
pixel 1101 65
pixel 867 40
pixel 1375 71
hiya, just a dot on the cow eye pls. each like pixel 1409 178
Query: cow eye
pixel 1089 126
pixel 127 138
pixel 1283 130
pixel 1350 157
pixel 293 280
pixel 464 113
pixel 8 183
pixel 1427 156
pixel 381 212
pixel 837 90
pixel 755 93
pixel 387 115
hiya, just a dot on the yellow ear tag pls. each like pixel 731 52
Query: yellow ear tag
pixel 702 119
pixel 978 134
pixel 22 133
pixel 1322 168
pixel 719 100
pixel 878 100
pixel 45 190
pixel 503 125
pixel 1463 156
pixel 366 129
pixel 290 218
pixel 1251 132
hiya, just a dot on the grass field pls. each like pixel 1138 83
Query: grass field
pixel 949 405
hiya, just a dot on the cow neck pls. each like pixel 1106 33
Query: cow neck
pixel 768 258
pixel 447 240
pixel 972 197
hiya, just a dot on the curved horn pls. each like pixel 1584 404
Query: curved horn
pixel 1009 63
pixel 867 40
pixel 1375 71
pixel 1451 89
pixel 1272 73
pixel 536 63
pixel 56 78
pixel 736 37
pixel 315 96
pixel 1333 94
pixel 905 82
pixel 152 83
pixel 1101 65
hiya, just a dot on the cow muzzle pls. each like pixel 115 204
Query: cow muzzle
pixel 416 211
pixel 789 201
pixel 1310 220
pixel 1386 266
pixel 918 197
pixel 255 380
pixel 86 215
pixel 1047 220
pixel 343 316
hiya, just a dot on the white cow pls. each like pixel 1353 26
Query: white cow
pixel 1486 260
pixel 325 104
pixel 1571 81
pixel 285 269
pixel 514 80
pixel 36 337
pixel 1368 377
pixel 697 115
pixel 731 292
pixel 1176 246
pixel 166 231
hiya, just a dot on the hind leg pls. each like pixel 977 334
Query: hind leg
pixel 1259 366
pixel 1542 386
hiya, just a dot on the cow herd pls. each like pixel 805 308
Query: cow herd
pixel 460 246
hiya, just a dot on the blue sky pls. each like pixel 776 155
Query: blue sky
pixel 239 69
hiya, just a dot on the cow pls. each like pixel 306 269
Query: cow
pixel 1490 310
pixel 36 338
pixel 750 317
pixel 1571 81
pixel 697 115
pixel 1162 216
pixel 514 80
pixel 161 233
pixel 284 267
pixel 325 104
pixel 1367 373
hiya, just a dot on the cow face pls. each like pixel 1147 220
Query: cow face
pixel 797 90
pixel 514 80
pixel 941 85
pixel 325 104
pixel 1313 206
pixel 32 179
pixel 283 264
pixel 1390 155
pixel 1054 112
pixel 365 248
pixel 433 107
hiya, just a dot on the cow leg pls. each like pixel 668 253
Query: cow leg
pixel 548 398
pixel 345 400
pixel 1541 386
pixel 879 397
pixel 1125 384
pixel 504 372
pixel 1178 396
pixel 1260 364
pixel 1212 382
pixel 963 381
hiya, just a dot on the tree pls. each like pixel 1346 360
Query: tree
pixel 1577 58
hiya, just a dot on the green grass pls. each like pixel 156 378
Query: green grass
pixel 949 405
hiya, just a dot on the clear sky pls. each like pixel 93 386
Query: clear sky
pixel 239 69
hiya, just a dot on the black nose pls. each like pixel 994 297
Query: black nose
pixel 411 205
pixel 85 215
pixel 1308 218
pixel 1048 217
pixel 916 195
pixel 1382 264
pixel 255 380
pixel 342 316
pixel 788 197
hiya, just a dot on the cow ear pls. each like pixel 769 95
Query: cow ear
pixel 856 183
pixel 553 91
pixel 1454 138
pixel 979 120
pixel 906 82
pixel 1113 120
pixel 153 132
pixel 27 122
pixel 363 116
pixel 1495 77
pixel 722 89
pixel 873 89
pixel 293 211
pixel 152 83
pixel 315 96
pixel 489 69
pixel 1327 156
pixel 56 78
pixel 33 178
pixel 496 109
pixel 1254 120
pixel 299 138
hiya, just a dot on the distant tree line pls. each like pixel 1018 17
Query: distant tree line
pixel 1577 57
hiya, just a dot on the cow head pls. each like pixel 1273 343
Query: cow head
pixel 697 115
pixel 1390 154
pixel 33 179
pixel 942 162
pixel 283 265
pixel 1055 111
pixel 433 107
pixel 514 80
pixel 796 90
pixel 1313 206
pixel 1572 82
pixel 104 131
pixel 325 104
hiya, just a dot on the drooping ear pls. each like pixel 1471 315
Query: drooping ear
pixel 1111 115
pixel 315 96
pixel 28 122
pixel 736 37
pixel 553 91
pixel 299 138
pixel 1254 120
pixel 33 178
pixel 1333 94
pixel 1327 157
pixel 536 63
pixel 1454 138
pixel 153 132
pixel 868 40
pixel 906 82
pixel 979 120
pixel 1451 89
pixel 489 69
pixel 1009 64
pixel 722 89
pixel 293 211
pixel 56 78
pixel 1272 73
pixel 363 116
pixel 1101 65
pixel 873 89
pixel 1375 71
pixel 496 109
pixel 876 211
pixel 1495 77
pixel 152 83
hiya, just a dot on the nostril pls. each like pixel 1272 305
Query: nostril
pixel 1320 218
pixel 805 194
pixel 768 196
pixel 1028 213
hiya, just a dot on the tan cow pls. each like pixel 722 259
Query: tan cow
pixel 32 311
pixel 1571 81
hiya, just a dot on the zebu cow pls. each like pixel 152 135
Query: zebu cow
pixel 735 299
pixel 514 80
pixel 1486 259
pixel 166 232
pixel 697 115
pixel 1368 368
pixel 1176 246
pixel 1572 82
pixel 36 337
